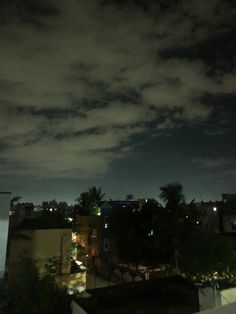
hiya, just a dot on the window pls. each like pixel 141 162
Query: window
pixel 106 222
pixel 106 245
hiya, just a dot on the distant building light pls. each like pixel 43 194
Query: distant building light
pixel 186 217
pixel 214 209
pixel 146 200
pixel 70 219
pixel 51 209
pixel 197 222
pixel 106 225
pixel 123 206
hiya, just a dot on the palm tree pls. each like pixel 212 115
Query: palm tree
pixel 172 195
pixel 84 201
pixel 96 195
pixel 14 200
pixel 174 220
pixel 91 200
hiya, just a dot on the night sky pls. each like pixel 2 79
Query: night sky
pixel 126 95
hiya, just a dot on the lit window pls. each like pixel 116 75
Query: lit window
pixel 150 233
pixel 214 209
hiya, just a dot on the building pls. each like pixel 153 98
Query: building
pixel 218 216
pixel 41 245
pixel 19 212
pixel 5 198
pixel 47 247
pixel 93 237
pixel 87 239
pixel 107 251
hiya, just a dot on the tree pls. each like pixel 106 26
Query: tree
pixel 14 200
pixel 96 195
pixel 185 246
pixel 172 195
pixel 91 200
pixel 172 223
pixel 205 253
pixel 34 294
pixel 85 203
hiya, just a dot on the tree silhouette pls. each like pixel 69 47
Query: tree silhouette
pixel 91 200
pixel 14 200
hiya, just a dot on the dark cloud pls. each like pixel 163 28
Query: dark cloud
pixel 80 80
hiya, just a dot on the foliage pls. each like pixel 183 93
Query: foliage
pixel 33 294
pixel 186 247
pixel 14 200
pixel 51 266
pixel 91 201
pixel 169 235
pixel 206 253
pixel 172 196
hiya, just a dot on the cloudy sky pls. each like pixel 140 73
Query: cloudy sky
pixel 126 95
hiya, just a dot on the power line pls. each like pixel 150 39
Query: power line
pixel 216 126
pixel 207 124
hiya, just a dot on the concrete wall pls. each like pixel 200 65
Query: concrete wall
pixel 225 309
pixel 210 298
pixel 228 220
pixel 41 245
pixel 52 243
pixel 5 198
pixel 76 309
pixel 228 296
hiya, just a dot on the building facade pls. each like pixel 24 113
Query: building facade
pixel 5 198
